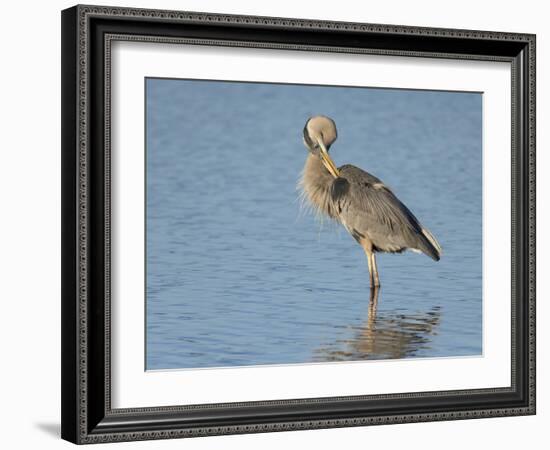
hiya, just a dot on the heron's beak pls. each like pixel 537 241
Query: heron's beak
pixel 327 160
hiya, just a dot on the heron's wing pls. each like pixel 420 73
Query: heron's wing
pixel 367 207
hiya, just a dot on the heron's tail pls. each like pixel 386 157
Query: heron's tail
pixel 430 245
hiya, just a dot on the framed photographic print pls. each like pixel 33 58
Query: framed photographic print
pixel 278 224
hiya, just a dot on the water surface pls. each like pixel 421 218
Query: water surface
pixel 238 274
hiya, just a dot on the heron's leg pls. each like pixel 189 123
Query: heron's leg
pixel 369 261
pixel 375 271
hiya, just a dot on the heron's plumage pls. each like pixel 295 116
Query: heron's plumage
pixel 366 206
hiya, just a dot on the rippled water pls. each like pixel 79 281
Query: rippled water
pixel 238 274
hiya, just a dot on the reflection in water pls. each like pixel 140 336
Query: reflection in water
pixel 384 336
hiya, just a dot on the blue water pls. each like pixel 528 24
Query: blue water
pixel 239 274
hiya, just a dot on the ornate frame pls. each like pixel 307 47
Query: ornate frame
pixel 87 33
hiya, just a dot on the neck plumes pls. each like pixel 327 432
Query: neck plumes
pixel 316 183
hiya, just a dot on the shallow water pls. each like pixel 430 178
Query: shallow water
pixel 239 274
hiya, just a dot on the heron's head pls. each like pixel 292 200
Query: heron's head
pixel 319 135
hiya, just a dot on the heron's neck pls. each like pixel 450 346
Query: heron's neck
pixel 316 183
pixel 316 172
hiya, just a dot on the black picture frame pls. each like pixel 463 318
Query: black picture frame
pixel 87 416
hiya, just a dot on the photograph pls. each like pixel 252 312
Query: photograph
pixel 299 224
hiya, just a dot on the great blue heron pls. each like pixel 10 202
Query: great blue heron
pixel 364 205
